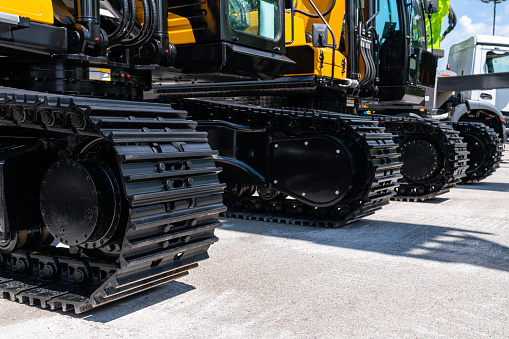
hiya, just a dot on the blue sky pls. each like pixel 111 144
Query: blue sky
pixel 474 17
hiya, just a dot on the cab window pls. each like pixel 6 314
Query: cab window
pixel 257 17
pixel 497 62
pixel 387 20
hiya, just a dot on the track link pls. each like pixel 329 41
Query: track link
pixel 434 157
pixel 171 199
pixel 378 147
pixel 485 147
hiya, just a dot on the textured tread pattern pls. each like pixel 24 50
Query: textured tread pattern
pixel 485 140
pixel 378 147
pixel 169 181
pixel 451 148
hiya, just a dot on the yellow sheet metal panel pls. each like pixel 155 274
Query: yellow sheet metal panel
pixel 299 37
pixel 325 68
pixel 180 30
pixel 37 10
pixel 322 61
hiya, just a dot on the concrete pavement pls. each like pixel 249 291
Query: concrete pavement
pixel 411 270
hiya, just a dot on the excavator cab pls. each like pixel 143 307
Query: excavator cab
pixel 380 44
pixel 239 37
pixel 406 67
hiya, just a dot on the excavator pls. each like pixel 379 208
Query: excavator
pixel 347 56
pixel 482 129
pixel 111 112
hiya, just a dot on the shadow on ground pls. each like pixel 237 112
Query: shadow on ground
pixel 434 201
pixel 426 242
pixel 487 186
pixel 134 302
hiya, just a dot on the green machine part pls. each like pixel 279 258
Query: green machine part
pixel 436 24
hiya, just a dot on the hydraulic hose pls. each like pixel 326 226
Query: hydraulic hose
pixel 126 22
pixel 452 23
pixel 132 19
pixel 123 21
pixel 148 28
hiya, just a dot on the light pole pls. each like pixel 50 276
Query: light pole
pixel 495 2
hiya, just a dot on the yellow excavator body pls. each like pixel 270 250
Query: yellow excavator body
pixel 37 10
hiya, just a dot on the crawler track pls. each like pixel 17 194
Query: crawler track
pixel 485 149
pixel 167 200
pixel 434 157
pixel 374 145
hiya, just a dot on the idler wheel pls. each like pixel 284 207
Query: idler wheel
pixel 420 160
pixel 26 238
pixel 478 152
pixel 80 202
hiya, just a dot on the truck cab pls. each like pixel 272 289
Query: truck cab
pixel 483 54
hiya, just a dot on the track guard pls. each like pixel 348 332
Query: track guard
pixel 316 169
pixel 362 143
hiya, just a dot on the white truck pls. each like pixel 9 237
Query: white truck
pixel 481 86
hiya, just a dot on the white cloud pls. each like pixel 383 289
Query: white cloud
pixel 469 28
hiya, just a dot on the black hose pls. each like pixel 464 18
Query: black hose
pixel 143 29
pixel 364 79
pixel 147 19
pixel 151 24
pixel 123 22
pixel 372 63
pixel 148 28
pixel 369 66
pixel 377 61
pixel 452 22
pixel 132 20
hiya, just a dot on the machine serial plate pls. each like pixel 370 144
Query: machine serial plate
pixel 101 74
